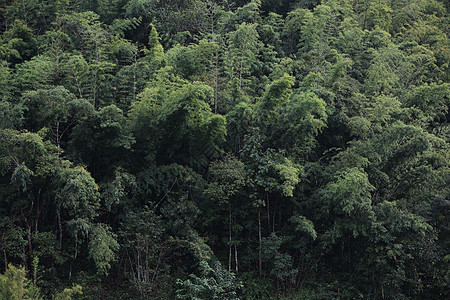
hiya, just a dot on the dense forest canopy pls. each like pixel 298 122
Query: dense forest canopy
pixel 218 149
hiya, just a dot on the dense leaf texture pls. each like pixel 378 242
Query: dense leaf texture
pixel 212 149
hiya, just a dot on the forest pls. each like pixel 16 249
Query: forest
pixel 219 149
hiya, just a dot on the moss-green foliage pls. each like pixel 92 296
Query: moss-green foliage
pixel 214 283
pixel 67 293
pixel 14 285
pixel 213 149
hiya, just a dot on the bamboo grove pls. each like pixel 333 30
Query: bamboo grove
pixel 215 149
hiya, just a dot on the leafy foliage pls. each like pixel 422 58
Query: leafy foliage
pixel 213 149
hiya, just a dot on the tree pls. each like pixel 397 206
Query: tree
pixel 147 252
pixel 67 293
pixel 102 248
pixel 100 140
pixel 214 283
pixel 269 173
pixel 17 44
pixel 132 78
pixel 184 117
pixel 243 50
pixel 14 285
pixel 228 178
pixel 56 109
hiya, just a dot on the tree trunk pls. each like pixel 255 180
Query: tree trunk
pixel 236 264
pixel 236 258
pixel 38 210
pixel 230 238
pixel 274 214
pixel 216 81
pixel 134 76
pixel 58 215
pixel 58 139
pixel 74 258
pixel 29 227
pixel 240 72
pixel 259 240
pixel 268 212
pixel 30 245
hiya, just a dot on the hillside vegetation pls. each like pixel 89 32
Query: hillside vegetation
pixel 215 149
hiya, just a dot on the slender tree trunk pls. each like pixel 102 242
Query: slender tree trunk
pixel 216 62
pixel 240 72
pixel 29 227
pixel 236 264
pixel 77 82
pixel 38 210
pixel 274 214
pixel 30 244
pixel 259 240
pixel 58 139
pixel 134 76
pixel 216 81
pixel 138 268
pixel 268 211
pixel 58 215
pixel 73 260
pixel 230 238
pixel 236 258
pixel 96 81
